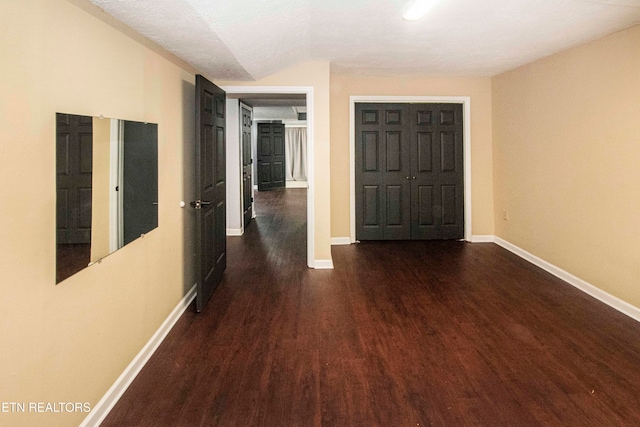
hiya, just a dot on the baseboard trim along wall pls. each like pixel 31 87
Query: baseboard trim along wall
pixel 111 397
pixel 482 239
pixel 235 231
pixel 296 184
pixel 323 264
pixel 605 297
pixel 336 241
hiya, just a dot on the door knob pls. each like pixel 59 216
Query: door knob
pixel 413 177
pixel 198 204
pixel 407 178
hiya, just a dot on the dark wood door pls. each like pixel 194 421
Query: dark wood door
pixel 271 160
pixel 247 165
pixel 383 172
pixel 437 172
pixel 74 174
pixel 409 171
pixel 211 222
pixel 139 179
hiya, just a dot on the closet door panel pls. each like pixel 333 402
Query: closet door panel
pixel 382 169
pixel 409 171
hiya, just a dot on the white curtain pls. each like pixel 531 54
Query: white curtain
pixel 295 141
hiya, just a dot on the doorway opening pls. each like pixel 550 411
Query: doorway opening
pixel 303 96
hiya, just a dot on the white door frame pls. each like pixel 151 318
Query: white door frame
pixel 308 92
pixel 466 113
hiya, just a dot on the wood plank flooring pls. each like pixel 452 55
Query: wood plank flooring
pixel 398 334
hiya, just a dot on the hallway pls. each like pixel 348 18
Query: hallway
pixel 399 334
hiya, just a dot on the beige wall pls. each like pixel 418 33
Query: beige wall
pixel 478 89
pixel 563 164
pixel 567 155
pixel 69 343
pixel 317 75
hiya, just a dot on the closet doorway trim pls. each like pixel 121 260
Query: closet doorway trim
pixel 466 112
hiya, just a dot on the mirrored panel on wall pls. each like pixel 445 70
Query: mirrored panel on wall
pixel 106 187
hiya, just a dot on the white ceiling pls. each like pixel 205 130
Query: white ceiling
pixel 272 100
pixel 275 113
pixel 251 39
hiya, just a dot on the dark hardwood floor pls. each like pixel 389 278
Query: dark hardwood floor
pixel 70 259
pixel 398 334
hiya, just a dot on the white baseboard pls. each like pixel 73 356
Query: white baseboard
pixel 612 301
pixel 323 264
pixel 483 238
pixel 235 231
pixel 100 411
pixel 340 241
pixel 296 184
pixel 335 241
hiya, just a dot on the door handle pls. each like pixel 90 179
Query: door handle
pixel 407 178
pixel 413 177
pixel 198 204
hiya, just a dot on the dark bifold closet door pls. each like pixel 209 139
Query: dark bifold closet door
pixel 383 172
pixel 211 221
pixel 409 171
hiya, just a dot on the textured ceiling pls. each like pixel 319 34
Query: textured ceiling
pixel 251 39
pixel 275 113
pixel 271 100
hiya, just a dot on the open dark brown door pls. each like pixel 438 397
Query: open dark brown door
pixel 247 164
pixel 211 222
pixel 271 160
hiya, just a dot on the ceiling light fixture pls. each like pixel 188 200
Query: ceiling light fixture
pixel 416 9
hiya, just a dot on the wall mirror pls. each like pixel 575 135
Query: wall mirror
pixel 106 187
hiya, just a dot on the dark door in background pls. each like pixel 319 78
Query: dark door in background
pixel 247 164
pixel 211 223
pixel 139 179
pixel 74 190
pixel 271 160
pixel 409 171
pixel 74 174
